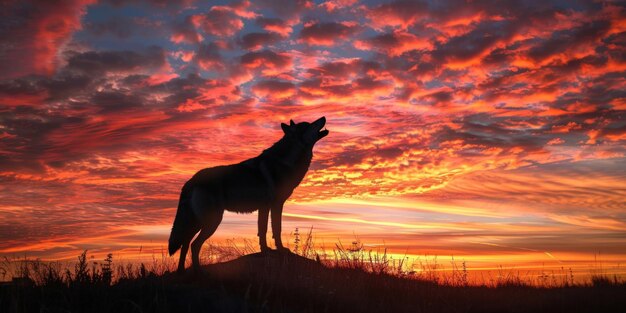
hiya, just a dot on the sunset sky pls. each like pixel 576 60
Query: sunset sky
pixel 491 131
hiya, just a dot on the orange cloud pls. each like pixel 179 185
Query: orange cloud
pixel 394 43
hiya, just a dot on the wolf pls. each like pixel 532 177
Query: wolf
pixel 261 183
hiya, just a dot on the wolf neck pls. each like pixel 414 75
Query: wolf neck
pixel 288 163
pixel 289 154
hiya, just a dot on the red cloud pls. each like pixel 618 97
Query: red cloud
pixel 266 59
pixel 394 43
pixel 448 89
pixel 398 13
pixel 241 8
pixel 345 69
pixel 327 33
pixel 471 47
pixel 359 88
pixel 31 42
pixel 333 5
pixel 219 21
pixel 567 41
pixel 274 89
pixel 565 128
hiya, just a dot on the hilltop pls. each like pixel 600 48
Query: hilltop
pixel 276 282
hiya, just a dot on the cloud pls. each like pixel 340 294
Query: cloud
pixel 275 25
pixel 394 43
pixel 254 41
pixel 117 100
pixel 269 61
pixel 289 10
pixel 573 193
pixel 326 34
pixel 345 69
pixel 99 62
pixel 363 87
pixel 334 5
pixel 274 89
pixel 185 31
pixel 219 21
pixel 600 222
pixel 162 4
pixel 208 56
pixel 476 43
pixel 503 122
pixel 34 32
pixel 398 13
pixel 568 40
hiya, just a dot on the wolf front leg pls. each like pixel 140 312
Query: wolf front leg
pixel 277 212
pixel 262 225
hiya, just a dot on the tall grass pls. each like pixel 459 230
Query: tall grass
pixel 456 273
pixel 84 271
pixel 345 278
pixel 353 256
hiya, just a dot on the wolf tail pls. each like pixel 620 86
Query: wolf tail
pixel 184 222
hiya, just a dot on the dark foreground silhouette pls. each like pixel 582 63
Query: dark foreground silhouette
pixel 262 183
pixel 285 282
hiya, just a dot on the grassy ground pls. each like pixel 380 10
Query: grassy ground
pixel 288 283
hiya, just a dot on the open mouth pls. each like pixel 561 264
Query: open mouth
pixel 323 133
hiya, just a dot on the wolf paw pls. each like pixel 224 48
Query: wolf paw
pixel 282 250
pixel 200 272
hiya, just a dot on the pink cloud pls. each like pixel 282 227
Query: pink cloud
pixel 269 62
pixel 275 25
pixel 333 5
pixel 185 32
pixel 219 21
pixel 255 41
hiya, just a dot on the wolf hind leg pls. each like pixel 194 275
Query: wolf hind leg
pixel 209 227
pixel 183 256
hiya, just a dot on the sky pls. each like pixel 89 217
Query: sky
pixel 488 131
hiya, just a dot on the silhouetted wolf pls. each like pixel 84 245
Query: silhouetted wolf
pixel 262 183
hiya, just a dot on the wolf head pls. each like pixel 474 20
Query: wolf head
pixel 305 133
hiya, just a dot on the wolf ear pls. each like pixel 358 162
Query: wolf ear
pixel 285 128
pixel 291 123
